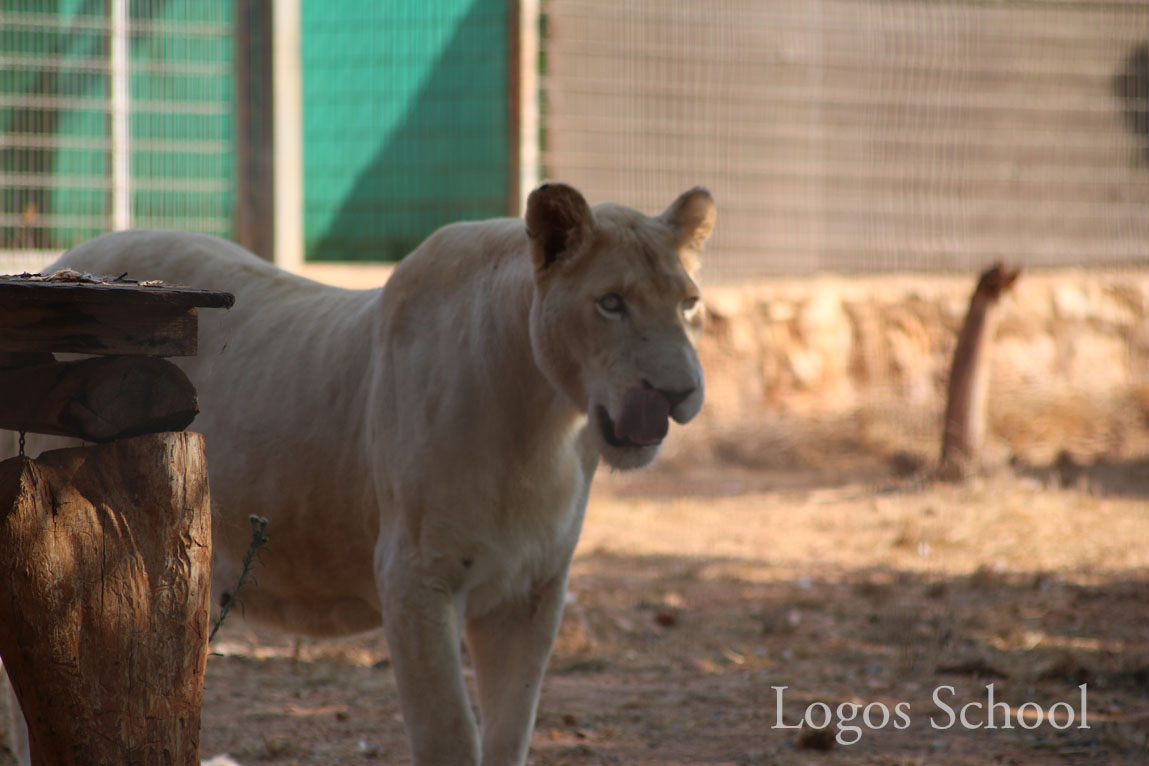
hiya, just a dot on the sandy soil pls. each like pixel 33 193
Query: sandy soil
pixel 699 591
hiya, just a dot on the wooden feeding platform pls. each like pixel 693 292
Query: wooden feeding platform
pixel 105 550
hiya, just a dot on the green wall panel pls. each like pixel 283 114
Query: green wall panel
pixel 405 121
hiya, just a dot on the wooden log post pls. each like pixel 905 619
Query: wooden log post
pixel 105 560
pixel 964 425
pixel 105 552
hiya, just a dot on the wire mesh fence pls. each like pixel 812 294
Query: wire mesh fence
pixel 843 135
pixel 112 114
pixel 861 135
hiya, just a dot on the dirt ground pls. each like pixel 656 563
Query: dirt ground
pixel 703 587
pixel 693 600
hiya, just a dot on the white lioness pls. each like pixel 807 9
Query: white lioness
pixel 424 451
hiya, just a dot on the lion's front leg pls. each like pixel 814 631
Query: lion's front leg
pixel 422 623
pixel 510 647
pixel 17 727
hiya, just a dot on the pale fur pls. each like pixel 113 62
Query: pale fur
pixel 423 451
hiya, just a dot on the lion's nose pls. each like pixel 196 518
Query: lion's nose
pixel 675 398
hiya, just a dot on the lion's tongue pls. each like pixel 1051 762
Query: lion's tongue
pixel 644 415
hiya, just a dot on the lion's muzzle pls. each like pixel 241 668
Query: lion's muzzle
pixel 644 418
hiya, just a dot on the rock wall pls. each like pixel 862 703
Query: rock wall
pixel 869 357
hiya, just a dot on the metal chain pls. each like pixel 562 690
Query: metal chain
pixel 21 444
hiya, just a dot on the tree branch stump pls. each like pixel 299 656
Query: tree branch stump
pixel 966 395
pixel 105 556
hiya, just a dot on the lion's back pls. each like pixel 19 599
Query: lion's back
pixel 197 260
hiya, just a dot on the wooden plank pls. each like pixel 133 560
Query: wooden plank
pixel 98 399
pixel 98 328
pixel 105 556
pixel 29 291
pixel 287 135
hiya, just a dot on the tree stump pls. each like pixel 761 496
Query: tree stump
pixel 105 556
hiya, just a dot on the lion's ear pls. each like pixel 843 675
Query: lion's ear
pixel 692 217
pixel 558 221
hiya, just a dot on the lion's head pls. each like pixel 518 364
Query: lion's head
pixel 616 313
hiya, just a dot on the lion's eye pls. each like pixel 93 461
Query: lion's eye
pixel 611 304
pixel 691 306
